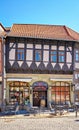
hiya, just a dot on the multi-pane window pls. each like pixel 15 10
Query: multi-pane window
pixel 20 54
pixel 61 55
pixel 18 92
pixel 38 55
pixel 60 94
pixel 53 56
pixel 77 55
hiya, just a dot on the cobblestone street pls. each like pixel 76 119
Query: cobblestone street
pixel 26 123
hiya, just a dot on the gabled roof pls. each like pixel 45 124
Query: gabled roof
pixel 2 27
pixel 57 32
pixel 4 31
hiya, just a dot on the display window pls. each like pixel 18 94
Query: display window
pixel 59 93
pixel 18 92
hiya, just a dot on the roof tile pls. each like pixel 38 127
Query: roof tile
pixel 43 31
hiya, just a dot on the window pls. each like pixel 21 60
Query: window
pixel 20 54
pixel 60 94
pixel 18 92
pixel 53 56
pixel 38 55
pixel 77 55
pixel 61 56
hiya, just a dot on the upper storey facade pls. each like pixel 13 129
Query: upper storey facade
pixel 41 49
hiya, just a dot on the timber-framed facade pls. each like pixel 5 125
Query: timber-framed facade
pixel 40 64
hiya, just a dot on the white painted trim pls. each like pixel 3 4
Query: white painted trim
pixel 20 79
pixel 62 79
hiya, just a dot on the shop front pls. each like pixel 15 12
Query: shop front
pixel 39 89
pixel 18 92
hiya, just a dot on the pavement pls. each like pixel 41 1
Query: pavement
pixel 40 121
pixel 22 122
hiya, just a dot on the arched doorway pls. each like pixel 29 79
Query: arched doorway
pixel 39 93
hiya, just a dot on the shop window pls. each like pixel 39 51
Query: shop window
pixel 60 94
pixel 18 92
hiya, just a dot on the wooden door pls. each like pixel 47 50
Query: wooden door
pixel 37 96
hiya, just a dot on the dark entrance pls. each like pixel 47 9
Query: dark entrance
pixel 39 93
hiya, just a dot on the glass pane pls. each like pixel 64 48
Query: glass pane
pixel 20 54
pixel 53 56
pixel 38 56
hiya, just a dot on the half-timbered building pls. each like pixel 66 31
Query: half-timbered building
pixel 41 62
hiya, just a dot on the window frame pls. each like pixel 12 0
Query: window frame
pixel 20 54
pixel 77 55
pixel 38 58
pixel 61 57
pixel 53 56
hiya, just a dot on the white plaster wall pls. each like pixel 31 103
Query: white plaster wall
pixel 61 47
pixel 54 47
pixel 68 57
pixel 11 44
pixel 37 63
pixel 46 56
pixel 20 63
pixel 29 55
pixel 46 46
pixel 29 45
pixel 69 48
pixel 61 64
pixel 68 65
pixel 12 54
pixel 29 63
pixel 11 62
pixel 53 64
pixel 77 65
pixel 45 64
pixel 38 46
pixel 20 45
